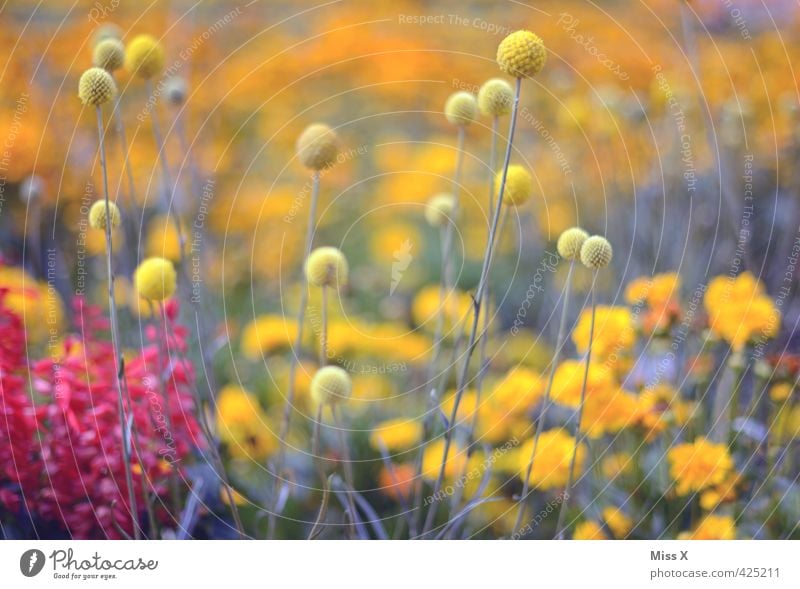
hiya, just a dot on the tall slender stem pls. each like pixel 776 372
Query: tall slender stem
pixel 487 262
pixel 571 478
pixel 298 343
pixel 445 290
pixel 560 341
pixel 165 173
pixel 323 335
pixel 347 464
pixel 119 360
pixel 126 162
pixel 317 458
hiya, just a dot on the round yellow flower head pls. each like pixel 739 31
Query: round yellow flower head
pixel 495 98
pixel 331 384
pixel 519 185
pixel 109 54
pixel 521 54
pixel 145 57
pixel 461 108
pixel 96 87
pixel 106 31
pixel 326 266
pixel 155 279
pixel 97 215
pixel 570 242
pixel 596 252
pixel 439 209
pixel 317 147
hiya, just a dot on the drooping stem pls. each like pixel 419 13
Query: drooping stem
pixel 478 297
pixel 119 360
pixel 560 342
pixel 301 318
pixel 577 432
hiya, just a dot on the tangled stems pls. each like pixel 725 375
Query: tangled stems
pixel 120 362
pixel 560 342
pixel 570 480
pixel 487 262
pixel 301 317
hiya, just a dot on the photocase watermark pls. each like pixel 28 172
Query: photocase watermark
pixel 542 515
pixel 80 241
pixel 305 191
pixel 100 10
pixel 548 265
pixel 160 421
pixel 738 19
pixel 454 20
pixel 475 473
pixel 570 24
pixel 401 260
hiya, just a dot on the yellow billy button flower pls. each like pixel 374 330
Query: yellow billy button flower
pixel 570 243
pixel 331 385
pixel 522 54
pixel 461 108
pixel 439 210
pixel 326 266
pixel 96 87
pixel 145 57
pixel 317 147
pixel 495 98
pixel 109 54
pixel 596 252
pixel 155 279
pixel 97 215
pixel 519 185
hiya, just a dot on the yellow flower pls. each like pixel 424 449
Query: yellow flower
pixel 97 214
pixel 712 498
pixel 619 523
pixel 713 527
pixel 396 434
pixel 519 185
pixel 426 307
pixel 614 334
pixel 589 530
pixel 552 461
pixel 608 411
pixel 267 334
pixel 432 460
pixel 519 391
pixel 780 392
pixel 521 54
pixel 243 425
pixel 698 465
pixel 96 87
pixel 155 279
pixel 657 291
pixel 38 305
pixel 145 57
pixel 568 382
pixel 740 311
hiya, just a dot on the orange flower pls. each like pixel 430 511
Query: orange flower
pixel 699 465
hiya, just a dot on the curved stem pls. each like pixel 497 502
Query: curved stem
pixel 570 480
pixel 487 262
pixel 560 342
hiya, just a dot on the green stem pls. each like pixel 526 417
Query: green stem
pixel 577 433
pixel 560 342
pixel 487 262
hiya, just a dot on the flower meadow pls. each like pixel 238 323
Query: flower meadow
pixel 399 270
